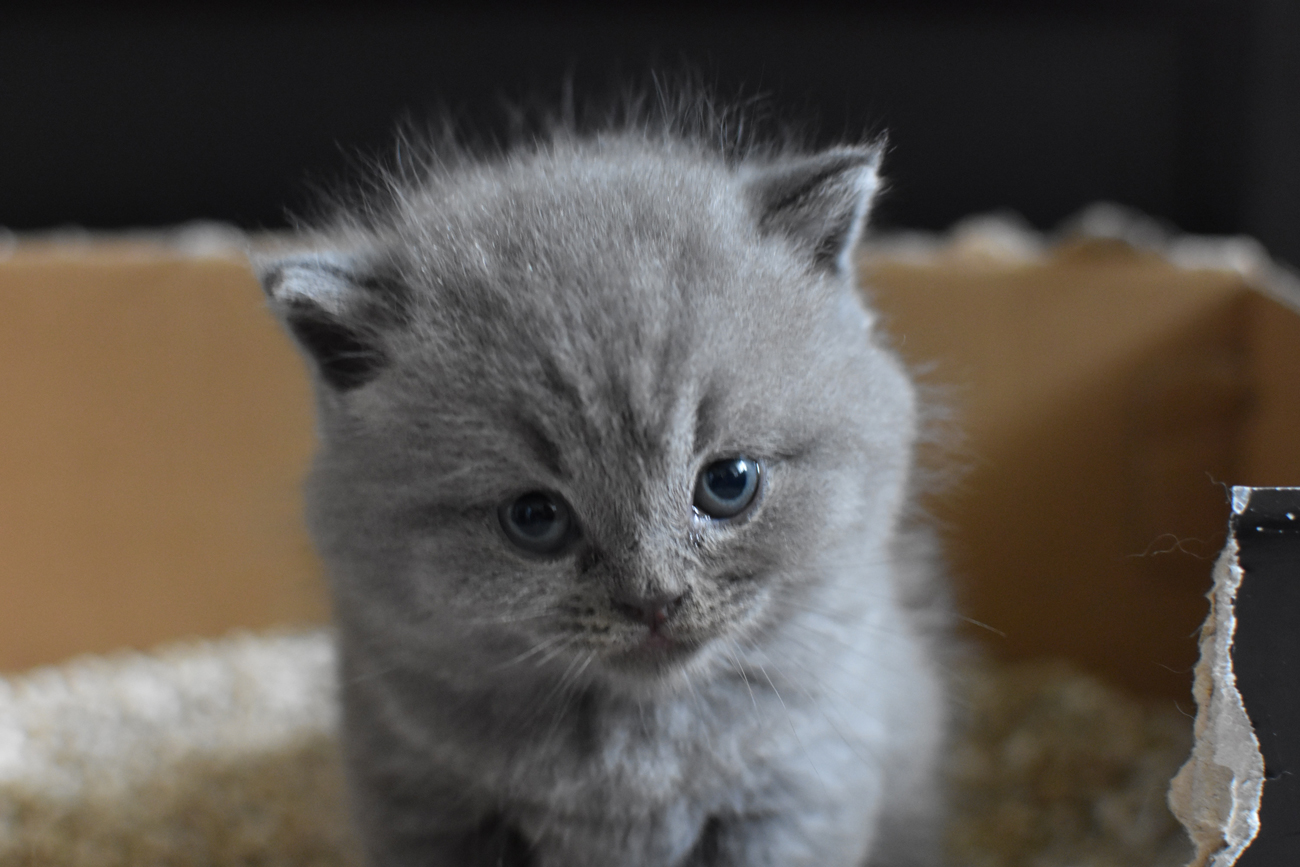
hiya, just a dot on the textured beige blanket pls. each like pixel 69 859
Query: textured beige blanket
pixel 223 753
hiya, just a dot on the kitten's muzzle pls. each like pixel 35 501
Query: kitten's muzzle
pixel 654 611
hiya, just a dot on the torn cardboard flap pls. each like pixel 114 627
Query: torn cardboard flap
pixel 1217 793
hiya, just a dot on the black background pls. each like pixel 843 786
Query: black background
pixel 119 116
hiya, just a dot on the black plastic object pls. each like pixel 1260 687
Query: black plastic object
pixel 1266 659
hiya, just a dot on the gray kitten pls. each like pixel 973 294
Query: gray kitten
pixel 611 492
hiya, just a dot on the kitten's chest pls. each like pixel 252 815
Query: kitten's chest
pixel 600 757
pixel 636 787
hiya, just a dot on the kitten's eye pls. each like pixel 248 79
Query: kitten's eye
pixel 536 522
pixel 727 487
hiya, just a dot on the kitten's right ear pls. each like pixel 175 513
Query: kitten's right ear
pixel 337 310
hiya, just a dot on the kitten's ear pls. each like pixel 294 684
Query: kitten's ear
pixel 337 310
pixel 821 202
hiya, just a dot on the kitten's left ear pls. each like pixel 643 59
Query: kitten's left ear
pixel 821 202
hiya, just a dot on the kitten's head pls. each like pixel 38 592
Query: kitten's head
pixel 613 403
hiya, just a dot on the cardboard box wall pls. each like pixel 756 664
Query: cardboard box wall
pixel 156 426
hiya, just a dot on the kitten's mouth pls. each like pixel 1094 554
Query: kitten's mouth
pixel 654 651
pixel 655 642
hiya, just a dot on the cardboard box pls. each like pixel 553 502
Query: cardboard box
pixel 157 426
pixel 1107 391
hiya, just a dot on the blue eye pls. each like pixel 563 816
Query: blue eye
pixel 536 522
pixel 727 487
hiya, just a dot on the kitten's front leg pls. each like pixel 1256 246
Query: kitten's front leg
pixel 404 824
pixel 806 840
pixel 491 842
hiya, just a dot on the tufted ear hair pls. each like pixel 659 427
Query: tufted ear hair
pixel 821 202
pixel 337 310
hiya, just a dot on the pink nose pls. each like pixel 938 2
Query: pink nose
pixel 653 611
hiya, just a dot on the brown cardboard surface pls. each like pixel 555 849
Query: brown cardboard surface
pixel 1100 393
pixel 155 427
pixel 1271 441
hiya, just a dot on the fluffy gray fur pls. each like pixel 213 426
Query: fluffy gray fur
pixel 601 317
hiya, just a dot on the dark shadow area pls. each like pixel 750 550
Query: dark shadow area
pixel 143 115
pixel 1266 659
